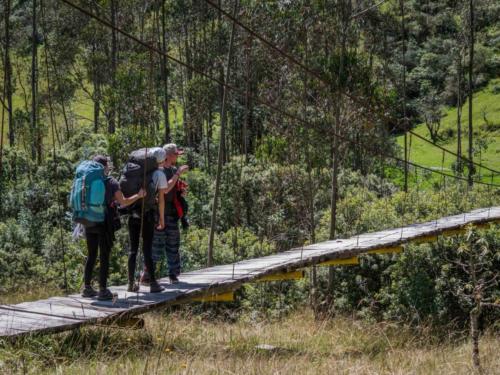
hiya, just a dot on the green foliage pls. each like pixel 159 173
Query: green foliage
pixel 276 180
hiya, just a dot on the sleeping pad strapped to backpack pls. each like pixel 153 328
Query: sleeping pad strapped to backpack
pixel 132 179
pixel 87 198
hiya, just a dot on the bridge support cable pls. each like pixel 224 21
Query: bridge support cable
pixel 328 84
pixel 274 108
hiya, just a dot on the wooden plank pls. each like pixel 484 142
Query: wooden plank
pixel 18 322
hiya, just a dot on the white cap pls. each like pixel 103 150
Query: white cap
pixel 159 153
pixel 172 149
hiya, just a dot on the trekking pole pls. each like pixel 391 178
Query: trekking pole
pixel 141 235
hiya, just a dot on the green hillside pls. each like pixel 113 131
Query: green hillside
pixel 486 103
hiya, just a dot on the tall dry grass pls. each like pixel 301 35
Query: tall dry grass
pixel 183 343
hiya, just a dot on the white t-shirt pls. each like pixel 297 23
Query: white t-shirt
pixel 160 179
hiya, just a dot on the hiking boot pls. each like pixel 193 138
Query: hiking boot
pixel 106 295
pixel 173 279
pixel 133 287
pixel 144 280
pixel 89 292
pixel 154 287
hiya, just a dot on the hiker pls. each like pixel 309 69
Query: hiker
pixel 157 182
pixel 167 235
pixel 100 236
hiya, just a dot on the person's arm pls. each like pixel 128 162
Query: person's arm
pixel 161 208
pixel 175 178
pixel 128 201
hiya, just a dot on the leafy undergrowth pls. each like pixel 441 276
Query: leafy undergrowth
pixel 180 342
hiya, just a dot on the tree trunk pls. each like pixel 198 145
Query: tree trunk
pixel 474 331
pixel 471 84
pixel 405 124
pixel 248 108
pixel 188 100
pixel 96 95
pixel 36 147
pixel 164 73
pixel 97 106
pixel 8 75
pixel 221 144
pixel 335 146
pixel 221 65
pixel 459 114
pixel 114 52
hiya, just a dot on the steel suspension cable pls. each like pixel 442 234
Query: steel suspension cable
pixel 323 79
pixel 256 99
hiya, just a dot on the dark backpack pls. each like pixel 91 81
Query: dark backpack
pixel 132 178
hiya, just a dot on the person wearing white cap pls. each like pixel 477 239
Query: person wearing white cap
pixel 167 236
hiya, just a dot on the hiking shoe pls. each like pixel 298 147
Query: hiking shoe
pixel 106 295
pixel 154 287
pixel 144 280
pixel 173 279
pixel 89 292
pixel 133 287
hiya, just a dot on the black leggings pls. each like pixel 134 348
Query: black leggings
pixel 96 242
pixel 134 229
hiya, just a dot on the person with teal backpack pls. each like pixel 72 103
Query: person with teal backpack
pixel 93 200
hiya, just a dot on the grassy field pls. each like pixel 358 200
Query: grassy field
pixel 486 100
pixel 80 110
pixel 180 342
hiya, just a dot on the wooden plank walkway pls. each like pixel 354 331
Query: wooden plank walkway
pixel 64 313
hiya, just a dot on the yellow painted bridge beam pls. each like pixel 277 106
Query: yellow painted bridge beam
pixel 293 275
pixel 386 250
pixel 222 297
pixel 454 232
pixel 451 232
pixel 341 262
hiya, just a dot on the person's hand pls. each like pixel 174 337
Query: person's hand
pixel 182 169
pixel 141 193
pixel 161 225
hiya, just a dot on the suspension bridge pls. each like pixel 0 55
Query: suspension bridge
pixel 218 283
pixel 57 314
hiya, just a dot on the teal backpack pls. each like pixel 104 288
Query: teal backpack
pixel 87 198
